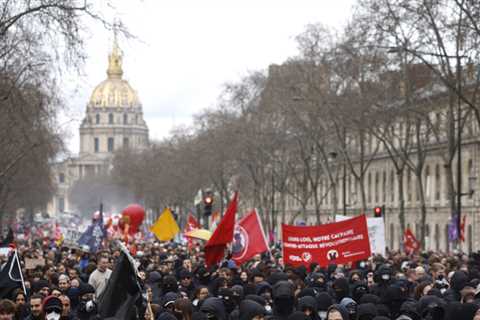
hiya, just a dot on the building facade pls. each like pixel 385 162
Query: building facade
pixel 113 120
pixel 381 182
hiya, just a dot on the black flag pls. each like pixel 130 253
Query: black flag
pixel 122 298
pixel 11 276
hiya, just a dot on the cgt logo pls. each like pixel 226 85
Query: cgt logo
pixel 332 255
pixel 306 256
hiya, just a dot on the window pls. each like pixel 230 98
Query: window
pixel 61 204
pixel 470 174
pixel 125 142
pixel 427 183
pixel 447 247
pixel 96 144
pixel 427 236
pixel 409 185
pixel 110 144
pixel 437 237
pixel 438 121
pixel 125 118
pixel 392 186
pixel 470 238
pixel 392 235
pixel 377 187
pixel 61 177
pixel 110 118
pixel 384 187
pixel 97 118
pixel 437 182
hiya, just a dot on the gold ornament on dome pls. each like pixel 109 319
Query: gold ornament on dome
pixel 114 91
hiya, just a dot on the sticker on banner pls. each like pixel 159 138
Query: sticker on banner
pixel 332 255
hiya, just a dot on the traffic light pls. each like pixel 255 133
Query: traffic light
pixel 378 211
pixel 207 204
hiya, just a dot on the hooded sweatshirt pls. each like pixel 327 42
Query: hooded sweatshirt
pixel 249 309
pixel 366 311
pixel 214 306
pixel 457 283
pixel 339 308
pixel 310 303
pixel 283 300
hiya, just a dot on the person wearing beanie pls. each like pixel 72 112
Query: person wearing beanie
pixel 87 307
pixel 324 301
pixel 41 287
pixel 366 311
pixel 52 308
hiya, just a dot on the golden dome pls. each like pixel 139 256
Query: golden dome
pixel 114 91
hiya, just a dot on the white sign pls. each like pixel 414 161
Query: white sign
pixel 376 233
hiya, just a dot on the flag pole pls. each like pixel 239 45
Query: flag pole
pixel 21 274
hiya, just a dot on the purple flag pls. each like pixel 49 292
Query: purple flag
pixel 453 229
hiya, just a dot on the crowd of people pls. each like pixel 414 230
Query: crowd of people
pixel 176 284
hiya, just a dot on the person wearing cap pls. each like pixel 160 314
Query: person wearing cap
pixel 99 278
pixel 186 282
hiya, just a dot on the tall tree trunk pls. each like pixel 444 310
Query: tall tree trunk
pixel 423 209
pixel 401 200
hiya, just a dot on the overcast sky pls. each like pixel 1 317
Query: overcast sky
pixel 188 48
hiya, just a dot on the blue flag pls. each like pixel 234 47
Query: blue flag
pixel 94 235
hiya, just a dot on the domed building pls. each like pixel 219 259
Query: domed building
pixel 113 120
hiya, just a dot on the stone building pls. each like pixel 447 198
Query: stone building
pixel 381 185
pixel 113 120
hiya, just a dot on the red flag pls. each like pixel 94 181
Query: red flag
pixel 338 242
pixel 223 234
pixel 249 238
pixel 192 224
pixel 410 243
pixel 462 228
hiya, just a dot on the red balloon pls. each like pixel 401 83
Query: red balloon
pixel 134 215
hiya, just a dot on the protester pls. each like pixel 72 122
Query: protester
pixel 150 280
pixel 99 278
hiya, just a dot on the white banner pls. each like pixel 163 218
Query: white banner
pixel 376 233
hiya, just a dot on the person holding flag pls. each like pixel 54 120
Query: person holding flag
pixel 222 236
pixel 249 238
pixel 191 224
pixel 11 276
pixel 95 234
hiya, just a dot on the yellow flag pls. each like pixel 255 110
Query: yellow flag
pixel 165 228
